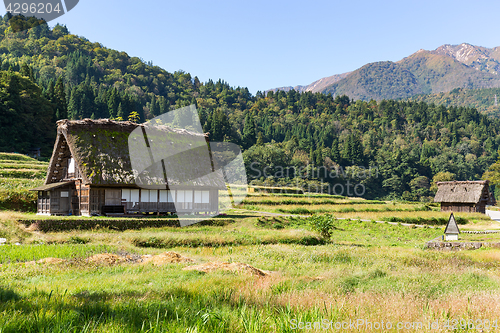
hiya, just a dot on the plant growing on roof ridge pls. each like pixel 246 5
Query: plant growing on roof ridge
pixel 134 117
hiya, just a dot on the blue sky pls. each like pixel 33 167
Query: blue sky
pixel 267 44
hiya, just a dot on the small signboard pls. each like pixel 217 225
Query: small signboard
pixel 451 232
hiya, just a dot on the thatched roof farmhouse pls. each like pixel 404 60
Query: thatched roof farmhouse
pixel 463 196
pixel 91 172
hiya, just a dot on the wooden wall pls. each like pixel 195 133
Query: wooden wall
pixel 86 200
pixel 161 201
pixel 55 202
pixel 463 207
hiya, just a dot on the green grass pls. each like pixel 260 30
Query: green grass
pixel 16 157
pixel 20 183
pixel 488 238
pixel 23 173
pixel 331 282
pixel 21 253
pixel 369 270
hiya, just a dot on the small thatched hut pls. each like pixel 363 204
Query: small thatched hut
pixel 91 173
pixel 463 196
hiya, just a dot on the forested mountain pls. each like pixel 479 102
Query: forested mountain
pixel 81 79
pixel 481 99
pixel 409 143
pixel 289 138
pixel 424 72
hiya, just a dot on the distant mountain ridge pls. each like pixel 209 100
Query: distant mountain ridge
pixel 317 85
pixel 423 72
pixel 480 58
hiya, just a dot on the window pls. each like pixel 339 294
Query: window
pixel 166 196
pixel 134 195
pixel 71 166
pixel 205 197
pixel 197 196
pixel 201 197
pixel 144 195
pixel 153 195
pixel 64 194
pixel 126 195
pixel 180 196
pixel 188 196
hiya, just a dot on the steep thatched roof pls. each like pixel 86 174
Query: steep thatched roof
pixel 461 191
pixel 100 149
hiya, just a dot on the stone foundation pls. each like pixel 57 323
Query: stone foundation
pixel 458 246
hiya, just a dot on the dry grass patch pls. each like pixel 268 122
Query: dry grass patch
pixel 106 259
pixel 49 261
pixel 236 267
pixel 165 258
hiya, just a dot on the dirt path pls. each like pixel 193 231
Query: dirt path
pixel 493 214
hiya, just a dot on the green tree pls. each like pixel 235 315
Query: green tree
pixel 113 102
pixel 335 150
pixel 260 139
pixel 249 132
pixel 443 176
pixel 493 173
pixel 60 100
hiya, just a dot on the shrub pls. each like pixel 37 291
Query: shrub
pixel 324 224
pixel 19 200
pixel 78 240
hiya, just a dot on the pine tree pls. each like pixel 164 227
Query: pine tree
pixel 346 149
pixel 353 150
pixel 260 139
pixel 248 132
pixel 119 114
pixel 163 105
pixel 335 150
pixel 49 93
pixel 153 108
pixel 216 126
pixel 113 101
pixel 318 155
pixel 73 105
pixel 27 71
pixel 60 100
pixel 220 127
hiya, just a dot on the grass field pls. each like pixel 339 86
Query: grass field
pixel 367 271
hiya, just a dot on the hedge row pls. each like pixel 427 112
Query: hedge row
pixel 425 220
pixel 120 224
pixel 156 242
pixel 263 189
pixel 18 200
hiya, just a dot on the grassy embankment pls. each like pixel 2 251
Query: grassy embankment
pixel 18 174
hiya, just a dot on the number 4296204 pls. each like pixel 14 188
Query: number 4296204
pixel 33 8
